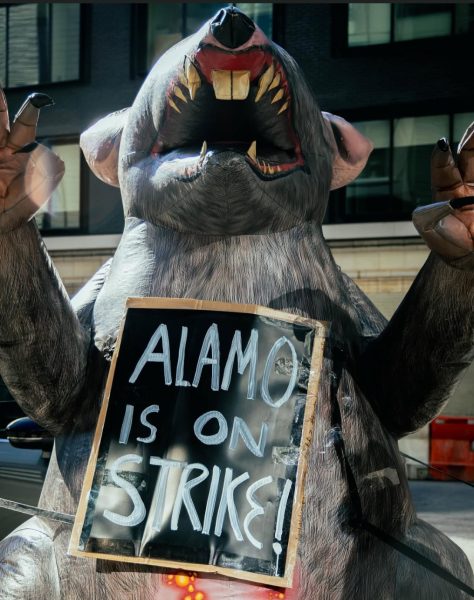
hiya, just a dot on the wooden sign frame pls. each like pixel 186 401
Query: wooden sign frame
pixel 320 333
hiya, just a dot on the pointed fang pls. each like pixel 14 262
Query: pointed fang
pixel 173 105
pixel 252 151
pixel 193 79
pixel 203 150
pixel 283 108
pixel 193 88
pixel 179 93
pixel 278 96
pixel 191 73
pixel 276 82
pixel 264 82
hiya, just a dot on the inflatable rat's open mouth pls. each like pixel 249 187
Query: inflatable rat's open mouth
pixel 238 102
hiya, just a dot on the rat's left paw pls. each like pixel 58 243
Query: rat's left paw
pixel 448 225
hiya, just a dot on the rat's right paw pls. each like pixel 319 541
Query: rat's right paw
pixel 29 172
pixel 448 226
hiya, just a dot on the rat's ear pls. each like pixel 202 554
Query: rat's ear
pixel 100 145
pixel 351 150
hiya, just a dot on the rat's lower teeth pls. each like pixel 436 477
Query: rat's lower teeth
pixel 252 151
pixel 203 151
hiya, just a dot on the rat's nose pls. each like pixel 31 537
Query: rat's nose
pixel 231 27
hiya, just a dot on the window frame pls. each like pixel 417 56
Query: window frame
pixel 336 215
pixel 84 52
pixel 83 200
pixel 340 39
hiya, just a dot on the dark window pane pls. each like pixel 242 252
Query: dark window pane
pixel 63 208
pixel 65 31
pixel 24 45
pixel 368 24
pixel 414 21
pixel 464 18
pixel 3 46
pixel 414 139
pixel 461 121
pixel 165 28
pixel 368 198
pixel 43 43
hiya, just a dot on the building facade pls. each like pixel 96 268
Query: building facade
pixel 400 72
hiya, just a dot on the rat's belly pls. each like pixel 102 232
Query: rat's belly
pixel 280 271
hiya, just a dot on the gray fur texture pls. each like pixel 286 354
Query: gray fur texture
pixel 230 235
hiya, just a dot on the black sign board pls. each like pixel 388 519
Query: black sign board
pixel 199 455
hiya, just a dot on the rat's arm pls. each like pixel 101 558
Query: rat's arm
pixel 410 370
pixel 43 348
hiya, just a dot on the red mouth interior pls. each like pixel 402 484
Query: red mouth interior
pixel 234 124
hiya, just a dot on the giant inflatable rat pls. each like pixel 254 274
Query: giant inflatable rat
pixel 225 163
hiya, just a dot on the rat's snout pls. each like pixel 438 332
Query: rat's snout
pixel 232 28
pixel 232 54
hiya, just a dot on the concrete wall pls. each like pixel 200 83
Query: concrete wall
pixel 385 274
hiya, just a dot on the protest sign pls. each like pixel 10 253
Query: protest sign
pixel 200 451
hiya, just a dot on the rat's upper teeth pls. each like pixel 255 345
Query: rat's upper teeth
pixel 230 85
pixel 275 83
pixel 283 108
pixel 240 85
pixel 278 96
pixel 203 150
pixel 179 93
pixel 222 84
pixel 252 151
pixel 192 77
pixel 173 105
pixel 264 82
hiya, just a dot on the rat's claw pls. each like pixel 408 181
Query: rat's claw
pixel 4 121
pixel 466 156
pixel 445 176
pixel 39 100
pixel 445 233
pixel 24 125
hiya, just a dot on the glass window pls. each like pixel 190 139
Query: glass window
pixel 414 21
pixel 23 45
pixel 464 18
pixel 62 211
pixel 414 138
pixel 41 43
pixel 461 121
pixel 369 194
pixel 167 23
pixel 397 176
pixel 164 29
pixel 382 23
pixel 65 42
pixel 369 24
pixel 3 44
